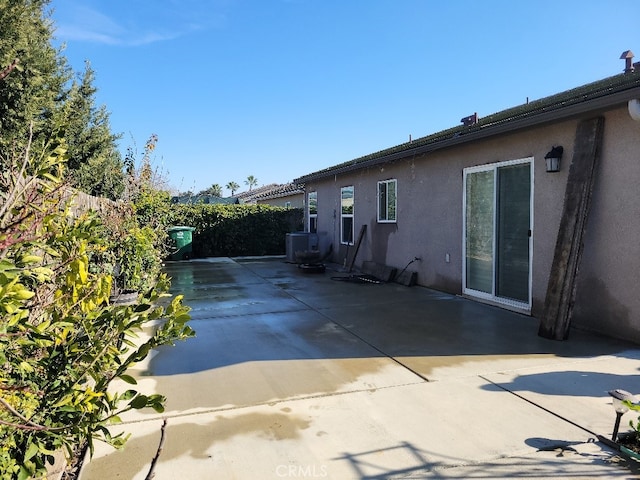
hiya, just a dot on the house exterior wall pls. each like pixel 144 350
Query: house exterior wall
pixel 430 217
pixel 296 201
pixel 607 297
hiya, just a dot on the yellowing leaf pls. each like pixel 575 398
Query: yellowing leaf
pixel 26 367
pixel 30 259
pixel 23 294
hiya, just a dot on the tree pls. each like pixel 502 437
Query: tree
pixel 9 69
pixel 34 74
pixel 251 181
pixel 35 91
pixel 95 165
pixel 142 177
pixel 233 187
pixel 215 190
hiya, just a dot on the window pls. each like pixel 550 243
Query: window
pixel 387 201
pixel 497 207
pixel 312 215
pixel 346 215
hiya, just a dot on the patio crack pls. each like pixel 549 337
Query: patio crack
pixel 365 341
pixel 270 403
pixel 531 402
pixel 351 332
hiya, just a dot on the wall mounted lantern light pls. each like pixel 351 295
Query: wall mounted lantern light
pixel 552 159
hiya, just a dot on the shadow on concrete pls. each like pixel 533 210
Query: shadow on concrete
pixel 580 383
pixel 417 463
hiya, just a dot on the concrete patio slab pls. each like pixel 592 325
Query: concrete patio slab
pixel 298 375
pixel 437 429
pixel 578 391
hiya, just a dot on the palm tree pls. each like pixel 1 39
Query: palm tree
pixel 251 181
pixel 233 186
pixel 215 190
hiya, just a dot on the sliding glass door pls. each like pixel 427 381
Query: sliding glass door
pixel 497 232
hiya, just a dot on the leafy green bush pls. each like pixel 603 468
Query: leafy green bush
pixel 61 342
pixel 237 230
pixel 153 210
pixel 221 230
pixel 129 251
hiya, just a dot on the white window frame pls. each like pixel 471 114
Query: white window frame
pixel 383 189
pixel 312 217
pixel 344 205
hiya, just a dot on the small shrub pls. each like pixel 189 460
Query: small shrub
pixel 129 252
pixel 61 342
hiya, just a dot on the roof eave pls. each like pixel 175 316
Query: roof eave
pixel 594 106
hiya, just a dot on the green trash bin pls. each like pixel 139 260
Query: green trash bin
pixel 181 239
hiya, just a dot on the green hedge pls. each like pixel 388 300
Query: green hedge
pixel 238 230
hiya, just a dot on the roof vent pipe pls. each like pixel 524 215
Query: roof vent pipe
pixel 470 120
pixel 627 56
pixel 634 109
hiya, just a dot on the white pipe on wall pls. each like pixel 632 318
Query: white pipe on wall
pixel 634 109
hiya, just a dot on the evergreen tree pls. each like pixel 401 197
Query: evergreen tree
pixel 95 165
pixel 32 89
pixel 35 93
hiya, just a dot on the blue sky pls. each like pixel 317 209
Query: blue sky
pixel 281 88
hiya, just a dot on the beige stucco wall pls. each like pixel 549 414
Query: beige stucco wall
pixel 296 201
pixel 607 297
pixel 430 217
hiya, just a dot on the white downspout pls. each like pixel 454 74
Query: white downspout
pixel 634 109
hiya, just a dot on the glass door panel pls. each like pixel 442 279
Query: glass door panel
pixel 479 231
pixel 513 228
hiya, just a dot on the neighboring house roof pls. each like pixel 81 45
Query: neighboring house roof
pixel 596 96
pixel 250 195
pixel 206 199
pixel 280 191
pixel 268 192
